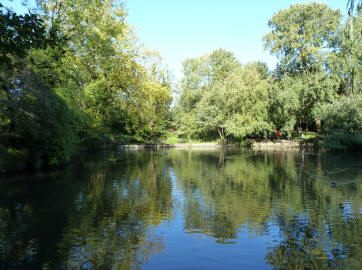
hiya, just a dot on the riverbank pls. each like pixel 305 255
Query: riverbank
pixel 16 163
pixel 283 144
pixel 258 145
pixel 176 145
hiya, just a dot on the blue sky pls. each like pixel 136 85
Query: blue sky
pixel 181 29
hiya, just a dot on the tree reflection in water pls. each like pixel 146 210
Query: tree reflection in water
pixel 319 225
pixel 99 213
pixel 104 212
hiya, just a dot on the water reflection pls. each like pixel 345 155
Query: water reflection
pixel 99 213
pixel 106 211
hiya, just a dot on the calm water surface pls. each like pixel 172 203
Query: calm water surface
pixel 186 209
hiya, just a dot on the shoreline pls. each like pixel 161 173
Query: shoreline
pixel 283 145
pixel 171 146
pixel 262 145
pixel 257 145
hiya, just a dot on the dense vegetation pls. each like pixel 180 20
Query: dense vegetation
pixel 316 84
pixel 74 74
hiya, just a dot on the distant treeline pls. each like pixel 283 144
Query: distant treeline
pixel 316 84
pixel 74 74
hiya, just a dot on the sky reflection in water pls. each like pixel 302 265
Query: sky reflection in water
pixel 181 209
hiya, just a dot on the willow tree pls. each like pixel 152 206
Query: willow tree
pixel 237 105
pixel 201 75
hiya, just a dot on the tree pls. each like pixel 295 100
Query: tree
pixel 244 102
pixel 101 85
pixel 353 45
pixel 104 73
pixel 18 33
pixel 36 120
pixel 306 38
pixel 35 124
pixel 222 63
pixel 285 105
pixel 294 99
pixel 351 5
pixel 342 123
pixel 301 36
pixel 222 98
pixel 199 101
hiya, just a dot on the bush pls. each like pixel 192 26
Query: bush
pixel 342 123
pixel 37 121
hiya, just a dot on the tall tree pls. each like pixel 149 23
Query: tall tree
pixel 237 105
pixel 305 38
pixel 301 35
pixel 102 71
pixel 350 37
pixel 84 78
pixel 222 98
pixel 199 92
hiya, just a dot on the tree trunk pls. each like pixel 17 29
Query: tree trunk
pixel 222 135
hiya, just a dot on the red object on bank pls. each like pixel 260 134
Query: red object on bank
pixel 278 133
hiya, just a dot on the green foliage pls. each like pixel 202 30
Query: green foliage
pixel 36 124
pixel 222 98
pixel 246 99
pixel 318 64
pixel 301 34
pixel 36 119
pixel 235 106
pixel 296 98
pixel 85 80
pixel 186 123
pixel 285 103
pixel 75 74
pixel 172 138
pixel 342 126
pixel 348 59
pixel 102 66
pixel 18 34
pixel 222 63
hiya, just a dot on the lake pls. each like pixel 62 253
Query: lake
pixel 186 209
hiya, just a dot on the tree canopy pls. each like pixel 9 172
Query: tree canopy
pixel 74 74
pixel 318 63
pixel 302 35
